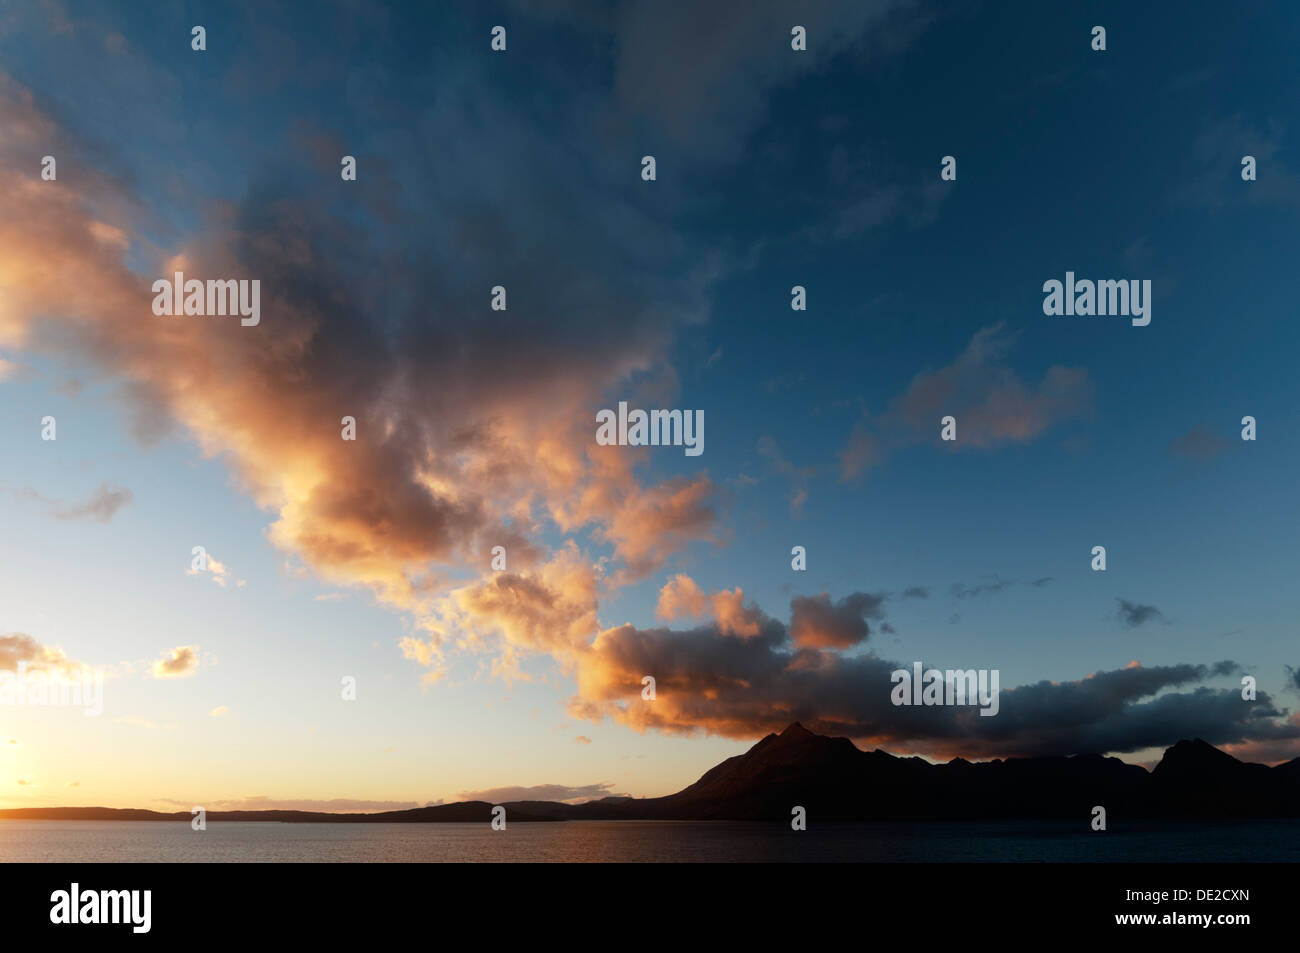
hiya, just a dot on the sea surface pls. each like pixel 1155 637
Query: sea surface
pixel 648 841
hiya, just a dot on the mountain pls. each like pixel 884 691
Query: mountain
pixel 466 811
pixel 832 779
pixel 1196 779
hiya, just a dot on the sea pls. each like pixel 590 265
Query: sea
pixel 649 842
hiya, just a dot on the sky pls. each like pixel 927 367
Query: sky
pixel 369 561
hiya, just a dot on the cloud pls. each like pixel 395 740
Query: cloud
pixel 657 522
pixel 798 476
pixel 916 592
pixel 101 507
pixel 867 197
pixel 582 740
pixel 1293 677
pixel 180 662
pixel 1269 751
pixel 1200 445
pixel 454 452
pixel 701 79
pixel 261 802
pixel 217 570
pixel 992 405
pixel 219 711
pixel 960 591
pixel 542 792
pixel 19 647
pixel 711 681
pixel 862 452
pixel 681 597
pixel 1212 178
pixel 816 622
pixel 1133 614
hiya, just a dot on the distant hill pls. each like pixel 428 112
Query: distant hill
pixel 461 811
pixel 834 780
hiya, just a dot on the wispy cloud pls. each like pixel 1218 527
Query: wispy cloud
pixel 262 802
pixel 568 794
pixel 101 507
pixel 993 406
pixel 1134 614
pixel 1201 445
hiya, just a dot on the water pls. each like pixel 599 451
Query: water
pixel 662 841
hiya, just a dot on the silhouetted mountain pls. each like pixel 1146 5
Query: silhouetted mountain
pixel 832 779
pixel 1289 769
pixel 1196 779
pixel 461 811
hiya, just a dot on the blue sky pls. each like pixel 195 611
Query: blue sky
pixel 775 168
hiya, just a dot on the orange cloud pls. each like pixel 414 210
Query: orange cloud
pixel 16 647
pixel 180 662
pixel 681 597
pixel 456 451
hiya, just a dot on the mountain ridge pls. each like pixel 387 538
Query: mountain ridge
pixel 833 779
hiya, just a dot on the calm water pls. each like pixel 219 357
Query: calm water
pixel 665 841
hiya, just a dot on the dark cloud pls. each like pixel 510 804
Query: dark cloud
pixel 700 75
pixel 710 680
pixel 916 592
pixel 960 591
pixel 1133 614
pixel 1293 678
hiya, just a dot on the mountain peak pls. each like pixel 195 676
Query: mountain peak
pixel 1194 756
pixel 796 730
pixel 1196 747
